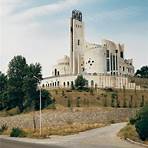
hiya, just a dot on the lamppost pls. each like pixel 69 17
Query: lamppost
pixel 40 105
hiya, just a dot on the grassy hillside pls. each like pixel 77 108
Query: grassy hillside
pixel 98 97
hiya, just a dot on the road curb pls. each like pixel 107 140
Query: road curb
pixel 134 142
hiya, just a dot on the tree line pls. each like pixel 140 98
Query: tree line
pixel 19 88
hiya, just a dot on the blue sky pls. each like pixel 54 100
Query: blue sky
pixel 39 29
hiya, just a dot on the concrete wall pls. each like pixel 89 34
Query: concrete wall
pixel 50 118
pixel 94 60
pixel 99 81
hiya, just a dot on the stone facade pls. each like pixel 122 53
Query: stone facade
pixel 52 118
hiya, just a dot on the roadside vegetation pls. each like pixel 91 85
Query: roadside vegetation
pixel 137 128
pixel 62 130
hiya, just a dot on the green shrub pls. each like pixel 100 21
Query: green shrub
pixel 51 106
pixel 80 82
pixel 113 99
pixel 17 132
pixel 141 123
pixel 68 102
pixel 132 120
pixel 78 102
pixel 3 128
pixel 91 91
pixel 63 93
pixel 131 102
pixel 124 103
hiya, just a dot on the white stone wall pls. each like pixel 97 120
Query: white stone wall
pixel 77 46
pixel 94 60
pixel 99 81
pixel 62 67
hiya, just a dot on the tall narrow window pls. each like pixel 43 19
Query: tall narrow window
pixel 78 42
pixel 107 53
pixel 116 63
pixel 113 62
pixel 68 84
pixel 121 54
pixel 107 65
pixel 55 72
pixel 123 69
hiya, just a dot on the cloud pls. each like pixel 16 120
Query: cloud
pixel 34 12
pixel 21 34
pixel 22 30
pixel 8 6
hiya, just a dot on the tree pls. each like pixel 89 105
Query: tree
pixel 30 84
pixel 124 103
pixel 113 99
pixel 141 123
pixel 3 82
pixel 16 74
pixel 46 99
pixel 78 102
pixel 142 72
pixel 19 88
pixel 131 102
pixel 142 101
pixel 3 90
pixel 104 99
pixel 117 101
pixel 69 102
pixel 80 82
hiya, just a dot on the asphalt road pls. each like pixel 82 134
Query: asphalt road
pixel 4 143
pixel 97 138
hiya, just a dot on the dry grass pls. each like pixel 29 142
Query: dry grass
pixel 66 129
pixel 62 130
pixel 97 99
pixel 129 131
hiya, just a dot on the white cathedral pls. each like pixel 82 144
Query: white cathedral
pixel 103 65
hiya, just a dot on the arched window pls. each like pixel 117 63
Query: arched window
pixel 58 83
pixel 64 84
pixel 68 84
pixel 55 72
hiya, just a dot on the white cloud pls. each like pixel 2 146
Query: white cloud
pixel 33 12
pixel 20 34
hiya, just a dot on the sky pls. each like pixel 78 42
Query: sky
pixel 39 29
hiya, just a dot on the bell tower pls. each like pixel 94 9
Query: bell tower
pixel 76 42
